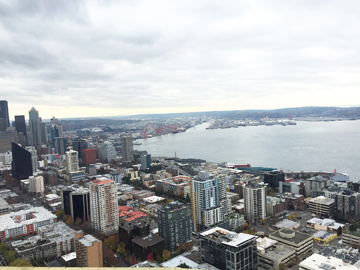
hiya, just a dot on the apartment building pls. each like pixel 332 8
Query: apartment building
pixel 104 205
pixel 72 161
pixel 174 222
pixel 206 209
pixel 88 251
pixel 255 201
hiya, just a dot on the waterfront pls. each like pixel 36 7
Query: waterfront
pixel 306 146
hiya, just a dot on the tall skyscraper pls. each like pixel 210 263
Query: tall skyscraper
pixel 4 112
pixel 108 152
pixel 35 127
pixel 54 134
pixel 127 148
pixel 78 145
pixel 255 201
pixel 20 125
pixel 145 161
pixel 104 205
pixel 60 145
pixel 21 164
pixel 34 161
pixel 72 161
pixel 206 209
pixel 174 222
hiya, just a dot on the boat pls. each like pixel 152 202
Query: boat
pixel 137 143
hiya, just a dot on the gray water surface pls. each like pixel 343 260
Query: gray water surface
pixel 306 146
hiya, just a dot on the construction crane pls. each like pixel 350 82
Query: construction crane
pixel 144 133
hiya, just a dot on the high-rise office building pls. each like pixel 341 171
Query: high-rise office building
pixel 127 148
pixel 108 152
pixel 145 161
pixel 21 164
pixel 78 145
pixel 4 112
pixel 54 134
pixel 174 221
pixel 34 161
pixel 104 205
pixel 22 139
pixel 3 125
pixel 6 138
pixel 72 162
pixel 206 209
pixel 35 128
pixel 20 125
pixel 60 145
pixel 43 133
pixel 255 201
pixel 76 202
pixel 273 178
pixel 228 250
pixel 88 156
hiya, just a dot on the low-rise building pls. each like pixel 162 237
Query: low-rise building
pixel 294 201
pixel 128 217
pixel 69 260
pixel 4 207
pixel 271 254
pixel 324 237
pixel 24 222
pixel 275 206
pixel 228 250
pixel 352 238
pixel 324 224
pixel 141 194
pixel 300 242
pixel 142 246
pixel 34 248
pixel 319 262
pixel 322 206
pixel 61 234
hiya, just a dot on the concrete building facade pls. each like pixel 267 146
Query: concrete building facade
pixel 255 202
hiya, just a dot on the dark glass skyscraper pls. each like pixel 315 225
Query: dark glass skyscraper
pixel 20 125
pixel 4 111
pixel 35 128
pixel 78 145
pixel 21 164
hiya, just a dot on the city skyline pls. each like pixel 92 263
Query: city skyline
pixel 109 58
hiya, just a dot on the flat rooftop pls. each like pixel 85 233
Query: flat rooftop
pixel 227 237
pixel 176 261
pixel 88 240
pixel 290 236
pixel 25 217
pixel 319 262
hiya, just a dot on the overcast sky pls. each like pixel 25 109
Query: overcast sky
pixel 103 58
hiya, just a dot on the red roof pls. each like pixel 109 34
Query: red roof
pixel 88 150
pixel 125 211
pixel 102 182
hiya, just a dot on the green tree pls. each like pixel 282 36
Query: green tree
pixel 60 214
pixel 3 247
pixel 262 221
pixel 21 262
pixel 158 259
pixel 9 256
pixel 339 231
pixel 112 242
pixel 65 217
pixel 282 266
pixel 121 249
pixel 183 265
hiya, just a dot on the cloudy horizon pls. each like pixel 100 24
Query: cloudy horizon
pixel 106 58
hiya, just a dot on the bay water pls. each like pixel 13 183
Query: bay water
pixel 306 146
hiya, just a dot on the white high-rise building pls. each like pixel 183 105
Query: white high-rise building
pixel 107 151
pixel 72 161
pixel 255 201
pixel 36 184
pixel 104 205
pixel 6 157
pixel 127 148
pixel 34 161
pixel 206 209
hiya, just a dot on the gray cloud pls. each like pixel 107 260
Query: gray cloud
pixel 126 56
